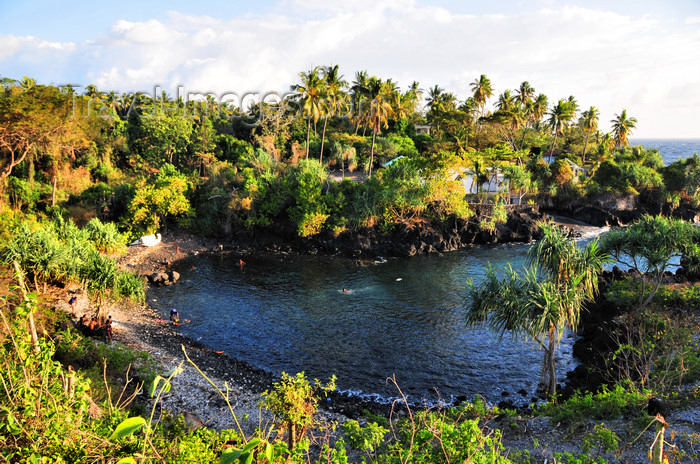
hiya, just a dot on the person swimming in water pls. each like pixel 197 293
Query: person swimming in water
pixel 174 316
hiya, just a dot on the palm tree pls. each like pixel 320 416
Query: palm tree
pixel 92 92
pixel 380 112
pixel 622 128
pixel 560 118
pixel 482 90
pixel 506 101
pixel 434 104
pixel 589 124
pixel 27 82
pixel 415 94
pixel 545 300
pixel 359 91
pixel 525 93
pixel 481 174
pixel 334 84
pixel 538 108
pixel 311 92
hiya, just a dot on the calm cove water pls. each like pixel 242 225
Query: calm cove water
pixel 404 316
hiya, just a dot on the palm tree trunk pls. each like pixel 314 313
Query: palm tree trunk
pixel 371 153
pixel 554 144
pixel 585 146
pixel 323 139
pixel 308 131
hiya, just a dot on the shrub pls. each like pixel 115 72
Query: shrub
pixel 603 405
pixel 294 403
pixel 23 194
pixel 105 237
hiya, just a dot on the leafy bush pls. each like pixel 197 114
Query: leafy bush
pixel 23 194
pixel 293 402
pixel 59 251
pixel 158 199
pixel 603 405
pixel 105 236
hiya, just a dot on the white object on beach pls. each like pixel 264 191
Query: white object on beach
pixel 147 240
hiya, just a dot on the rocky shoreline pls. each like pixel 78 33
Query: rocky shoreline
pixel 140 327
pixel 402 240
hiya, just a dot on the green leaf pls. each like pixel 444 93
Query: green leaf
pixel 128 427
pixel 229 456
pixel 154 385
pixel 248 458
pixel 251 444
pixel 128 460
pixel 268 451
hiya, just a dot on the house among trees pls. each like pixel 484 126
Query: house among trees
pixel 422 129
pixel 491 183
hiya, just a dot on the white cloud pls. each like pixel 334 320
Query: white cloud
pixel 603 58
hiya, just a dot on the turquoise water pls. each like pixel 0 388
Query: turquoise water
pixel 402 317
pixel 671 149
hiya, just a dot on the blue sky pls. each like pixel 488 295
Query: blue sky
pixel 643 55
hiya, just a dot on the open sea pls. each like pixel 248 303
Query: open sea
pixel 671 149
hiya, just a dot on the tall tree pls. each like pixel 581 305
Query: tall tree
pixel 482 90
pixel 311 93
pixel 335 95
pixel 622 127
pixel 525 93
pixel 560 118
pixel 380 112
pixel 359 91
pixel 648 245
pixel 589 124
pixel 32 118
pixel 545 300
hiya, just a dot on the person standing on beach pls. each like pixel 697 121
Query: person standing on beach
pixel 174 316
pixel 108 329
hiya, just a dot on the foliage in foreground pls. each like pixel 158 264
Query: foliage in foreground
pixel 607 404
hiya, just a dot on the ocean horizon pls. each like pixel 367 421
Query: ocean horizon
pixel 671 149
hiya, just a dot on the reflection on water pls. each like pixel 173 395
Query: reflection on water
pixel 404 316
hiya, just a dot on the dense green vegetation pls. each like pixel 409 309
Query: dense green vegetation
pixel 144 161
pixel 120 166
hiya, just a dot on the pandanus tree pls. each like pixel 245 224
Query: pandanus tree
pixel 649 245
pixel 545 300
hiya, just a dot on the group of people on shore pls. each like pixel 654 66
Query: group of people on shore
pixel 95 328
